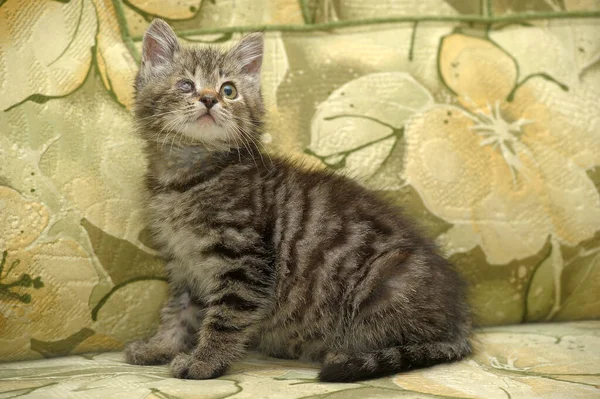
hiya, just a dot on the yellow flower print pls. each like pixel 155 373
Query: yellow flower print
pixel 44 48
pixel 508 168
pixel 55 305
pixel 115 61
pixel 49 47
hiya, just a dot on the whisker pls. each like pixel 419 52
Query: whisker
pixel 237 146
pixel 177 129
pixel 246 138
pixel 174 123
pixel 165 113
pixel 255 140
pixel 251 139
pixel 168 129
pixel 247 147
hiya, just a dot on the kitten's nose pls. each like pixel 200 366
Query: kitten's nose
pixel 208 100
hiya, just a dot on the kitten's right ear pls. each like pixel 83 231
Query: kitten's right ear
pixel 160 44
pixel 249 53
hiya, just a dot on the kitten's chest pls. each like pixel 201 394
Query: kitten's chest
pixel 185 241
pixel 175 220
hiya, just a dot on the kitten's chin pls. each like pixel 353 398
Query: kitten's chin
pixel 206 131
pixel 206 120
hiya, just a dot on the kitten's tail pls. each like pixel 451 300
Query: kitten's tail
pixel 348 367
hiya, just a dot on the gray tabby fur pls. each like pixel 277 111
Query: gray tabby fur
pixel 263 253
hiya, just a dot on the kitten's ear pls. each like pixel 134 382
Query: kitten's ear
pixel 249 53
pixel 160 43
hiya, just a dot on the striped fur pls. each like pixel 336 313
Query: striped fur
pixel 299 263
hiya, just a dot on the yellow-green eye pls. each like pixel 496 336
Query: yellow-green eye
pixel 229 91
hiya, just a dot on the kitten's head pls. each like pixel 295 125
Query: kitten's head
pixel 201 95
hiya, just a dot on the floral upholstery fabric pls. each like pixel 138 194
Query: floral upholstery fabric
pixel 529 361
pixel 486 132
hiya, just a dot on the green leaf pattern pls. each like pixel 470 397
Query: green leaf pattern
pixel 359 126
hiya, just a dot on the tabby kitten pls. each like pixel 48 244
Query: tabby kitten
pixel 299 263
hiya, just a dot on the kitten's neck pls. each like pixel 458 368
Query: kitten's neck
pixel 179 163
pixel 185 159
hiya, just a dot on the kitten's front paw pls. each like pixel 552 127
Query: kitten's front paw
pixel 188 367
pixel 144 354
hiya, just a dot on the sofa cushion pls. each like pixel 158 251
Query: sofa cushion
pixel 558 360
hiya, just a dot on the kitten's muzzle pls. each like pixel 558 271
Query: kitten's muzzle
pixel 208 100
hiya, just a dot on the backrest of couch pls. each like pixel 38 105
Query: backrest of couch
pixel 480 118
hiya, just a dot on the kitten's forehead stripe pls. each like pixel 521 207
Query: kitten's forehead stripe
pixel 190 75
pixel 207 64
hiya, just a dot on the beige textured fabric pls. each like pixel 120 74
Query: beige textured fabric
pixel 489 135
pixel 544 361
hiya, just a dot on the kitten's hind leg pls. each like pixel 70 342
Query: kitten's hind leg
pixel 347 367
pixel 180 320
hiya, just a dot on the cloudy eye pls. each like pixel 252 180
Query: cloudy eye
pixel 228 91
pixel 185 86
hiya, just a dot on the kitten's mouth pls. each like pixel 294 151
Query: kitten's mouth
pixel 206 119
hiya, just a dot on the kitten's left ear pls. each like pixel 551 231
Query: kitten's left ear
pixel 249 53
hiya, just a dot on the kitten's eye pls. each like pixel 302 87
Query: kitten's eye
pixel 185 86
pixel 229 91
